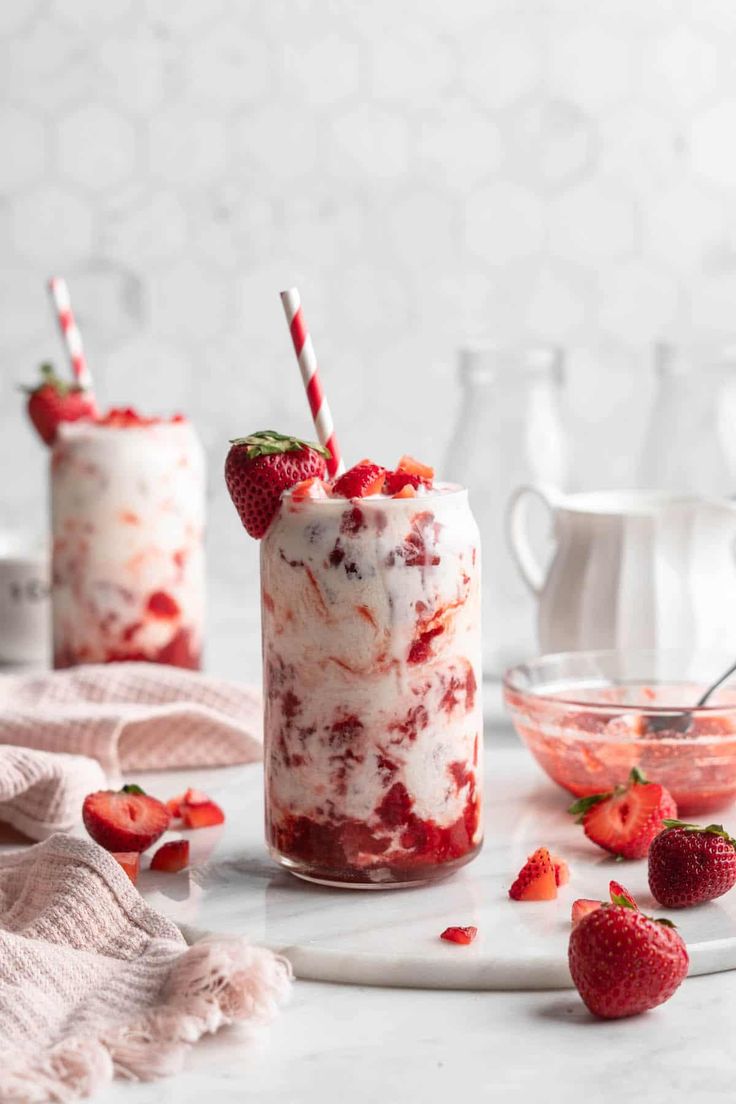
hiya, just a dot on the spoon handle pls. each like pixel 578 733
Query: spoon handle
pixel 727 674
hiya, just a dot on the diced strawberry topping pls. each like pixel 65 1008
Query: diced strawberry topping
pixel 311 489
pixel 366 478
pixel 415 467
pixel 407 491
pixel 536 880
pixel 171 857
pixel 126 417
pixel 582 907
pixel 161 604
pixel 459 935
pixel 130 862
pixel 174 805
pixel 203 815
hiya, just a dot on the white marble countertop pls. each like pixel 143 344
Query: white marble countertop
pixel 366 1044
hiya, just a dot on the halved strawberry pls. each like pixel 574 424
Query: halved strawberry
pixel 536 880
pixel 203 815
pixel 125 820
pixel 562 870
pixel 621 896
pixel 130 862
pixel 365 478
pixel 626 820
pixel 582 907
pixel 171 857
pixel 459 935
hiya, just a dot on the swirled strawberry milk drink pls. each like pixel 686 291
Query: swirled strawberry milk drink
pixel 127 517
pixel 371 654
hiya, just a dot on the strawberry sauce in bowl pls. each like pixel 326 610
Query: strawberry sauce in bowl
pixel 373 719
pixel 589 718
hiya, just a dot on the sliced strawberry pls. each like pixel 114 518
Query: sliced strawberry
pixel 621 896
pixel 562 870
pixel 130 862
pixel 536 880
pixel 407 491
pixel 366 478
pixel 171 857
pixel 309 489
pixel 411 466
pixel 202 815
pixel 582 907
pixel 626 820
pixel 128 820
pixel 459 935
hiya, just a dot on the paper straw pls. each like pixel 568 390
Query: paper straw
pixel 307 359
pixel 70 331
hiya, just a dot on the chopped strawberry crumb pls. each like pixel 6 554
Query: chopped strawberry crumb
pixel 459 935
pixel 130 862
pixel 582 907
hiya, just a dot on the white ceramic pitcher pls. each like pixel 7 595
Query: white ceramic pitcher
pixel 630 569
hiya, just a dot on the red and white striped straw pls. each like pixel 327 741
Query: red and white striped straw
pixel 70 334
pixel 305 354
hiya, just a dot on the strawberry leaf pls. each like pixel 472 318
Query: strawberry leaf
pixel 637 777
pixel 663 921
pixel 580 807
pixel 132 788
pixel 267 442
pixel 619 899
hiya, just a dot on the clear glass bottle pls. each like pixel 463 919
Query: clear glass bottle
pixel 687 443
pixel 509 432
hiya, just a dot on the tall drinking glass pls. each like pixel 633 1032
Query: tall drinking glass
pixel 372 675
pixel 127 519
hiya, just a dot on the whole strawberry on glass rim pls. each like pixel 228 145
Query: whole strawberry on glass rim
pixel 261 466
pixel 625 820
pixel 55 400
pixel 690 864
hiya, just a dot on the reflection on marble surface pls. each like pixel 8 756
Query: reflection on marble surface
pixel 391 937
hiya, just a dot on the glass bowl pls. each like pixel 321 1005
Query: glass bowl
pixel 589 717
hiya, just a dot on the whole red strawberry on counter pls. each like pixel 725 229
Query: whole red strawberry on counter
pixel 55 400
pixel 689 864
pixel 623 962
pixel 260 467
pixel 624 821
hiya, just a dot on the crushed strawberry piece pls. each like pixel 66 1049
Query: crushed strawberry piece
pixel 310 489
pixel 161 604
pixel 171 857
pixel 130 862
pixel 125 417
pixel 204 814
pixel 582 907
pixel 459 935
pixel 415 467
pixel 363 479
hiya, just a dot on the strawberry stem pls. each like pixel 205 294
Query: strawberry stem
pixel 267 442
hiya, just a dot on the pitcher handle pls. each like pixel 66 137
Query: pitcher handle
pixel 530 569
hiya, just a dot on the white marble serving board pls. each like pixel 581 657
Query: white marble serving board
pixel 391 937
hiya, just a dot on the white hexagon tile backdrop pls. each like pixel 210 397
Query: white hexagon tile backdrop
pixel 426 171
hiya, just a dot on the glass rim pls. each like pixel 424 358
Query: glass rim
pixel 511 685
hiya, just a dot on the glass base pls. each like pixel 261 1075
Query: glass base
pixel 384 877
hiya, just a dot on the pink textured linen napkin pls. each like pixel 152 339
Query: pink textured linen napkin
pixel 94 983
pixel 42 793
pixel 133 716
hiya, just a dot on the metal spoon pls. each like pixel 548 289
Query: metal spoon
pixel 680 722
